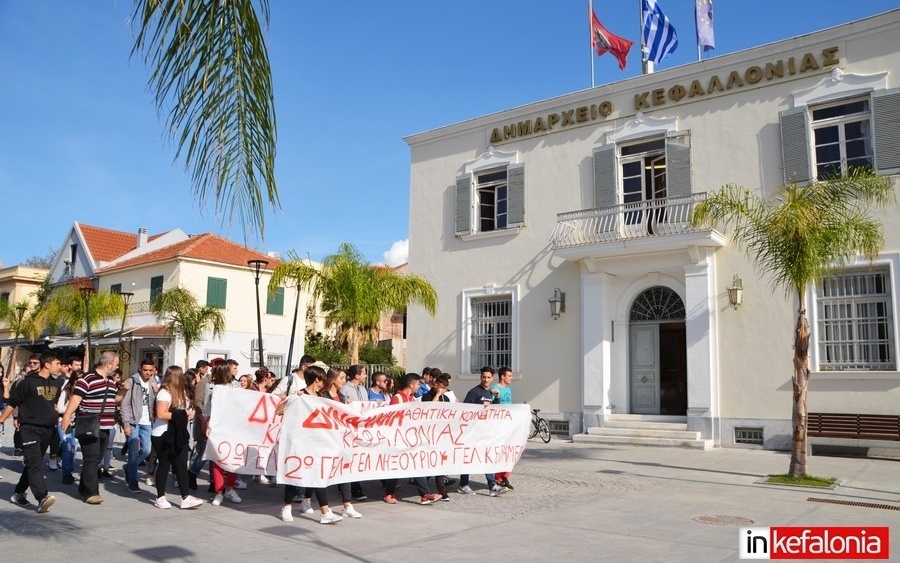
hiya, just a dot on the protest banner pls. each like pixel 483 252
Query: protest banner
pixel 245 431
pixel 325 442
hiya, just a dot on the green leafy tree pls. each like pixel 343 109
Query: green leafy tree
pixel 355 294
pixel 180 312
pixel 374 354
pixel 797 237
pixel 324 349
pixel 68 308
pixel 210 75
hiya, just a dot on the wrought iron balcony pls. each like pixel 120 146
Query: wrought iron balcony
pixel 655 218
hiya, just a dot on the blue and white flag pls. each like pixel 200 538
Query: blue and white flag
pixel 703 10
pixel 659 35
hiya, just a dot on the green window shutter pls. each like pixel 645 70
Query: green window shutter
pixel 795 146
pixel 115 288
pixel 515 182
pixel 678 166
pixel 215 292
pixel 886 123
pixel 156 287
pixel 605 176
pixel 464 205
pixel 275 302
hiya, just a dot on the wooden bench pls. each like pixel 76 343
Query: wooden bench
pixel 875 435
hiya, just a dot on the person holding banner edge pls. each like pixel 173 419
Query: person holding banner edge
pixel 482 394
pixel 335 381
pixel 314 377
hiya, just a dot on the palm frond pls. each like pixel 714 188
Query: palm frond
pixel 211 76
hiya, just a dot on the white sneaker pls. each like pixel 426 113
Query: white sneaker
pixel 162 502
pixel 232 496
pixel 351 512
pixel 330 518
pixel 286 515
pixel 498 489
pixel 190 502
pixel 217 501
pixel 465 490
pixel 263 480
pixel 239 485
pixel 150 482
pixel 306 506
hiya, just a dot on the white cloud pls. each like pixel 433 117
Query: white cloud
pixel 398 254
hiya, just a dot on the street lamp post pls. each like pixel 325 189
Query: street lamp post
pixel 126 299
pixel 287 369
pixel 86 293
pixel 20 312
pixel 257 265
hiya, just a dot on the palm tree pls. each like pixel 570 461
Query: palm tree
pixel 184 318
pixel 68 307
pixel 210 73
pixel 299 274
pixel 800 235
pixel 355 294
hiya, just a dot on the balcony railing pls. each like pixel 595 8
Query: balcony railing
pixel 658 217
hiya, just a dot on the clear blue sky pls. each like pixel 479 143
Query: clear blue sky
pixel 80 139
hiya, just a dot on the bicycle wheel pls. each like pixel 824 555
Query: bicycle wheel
pixel 543 430
pixel 534 429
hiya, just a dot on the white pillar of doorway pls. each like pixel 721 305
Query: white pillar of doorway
pixel 595 347
pixel 702 347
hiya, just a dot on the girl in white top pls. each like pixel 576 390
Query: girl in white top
pixel 171 439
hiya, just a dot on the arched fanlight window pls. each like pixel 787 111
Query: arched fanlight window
pixel 658 304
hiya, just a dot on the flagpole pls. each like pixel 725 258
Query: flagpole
pixel 591 37
pixel 646 65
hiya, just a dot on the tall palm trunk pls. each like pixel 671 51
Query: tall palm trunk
pixel 800 385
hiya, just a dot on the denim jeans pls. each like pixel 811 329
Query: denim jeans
pixel 68 445
pixel 138 449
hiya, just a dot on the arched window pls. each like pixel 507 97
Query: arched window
pixel 658 304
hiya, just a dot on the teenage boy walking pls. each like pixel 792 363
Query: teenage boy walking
pixel 35 396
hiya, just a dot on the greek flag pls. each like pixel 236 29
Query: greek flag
pixel 659 36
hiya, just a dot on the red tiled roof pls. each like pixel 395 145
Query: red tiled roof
pixel 201 247
pixel 107 244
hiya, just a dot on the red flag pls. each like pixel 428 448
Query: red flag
pixel 605 42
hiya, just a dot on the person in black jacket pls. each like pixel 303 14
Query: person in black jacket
pixel 35 396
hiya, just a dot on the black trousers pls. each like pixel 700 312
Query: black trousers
pixel 92 450
pixel 167 456
pixel 35 441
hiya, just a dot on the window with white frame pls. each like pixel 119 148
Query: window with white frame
pixel 489 328
pixel 847 121
pixel 491 332
pixel 643 167
pixel 492 202
pixel 855 320
pixel 842 137
pixel 490 194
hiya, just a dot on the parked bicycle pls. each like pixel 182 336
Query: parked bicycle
pixel 539 426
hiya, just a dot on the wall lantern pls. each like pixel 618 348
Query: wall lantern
pixel 557 303
pixel 736 292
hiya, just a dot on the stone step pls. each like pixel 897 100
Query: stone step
pixel 645 432
pixel 640 441
pixel 676 426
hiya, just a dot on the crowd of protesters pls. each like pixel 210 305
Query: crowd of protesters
pixel 57 407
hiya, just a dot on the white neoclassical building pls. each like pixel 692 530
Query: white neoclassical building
pixel 587 196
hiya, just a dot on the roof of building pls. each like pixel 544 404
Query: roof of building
pixel 105 245
pixel 207 246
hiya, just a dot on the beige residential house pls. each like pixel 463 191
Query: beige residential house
pixel 214 269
